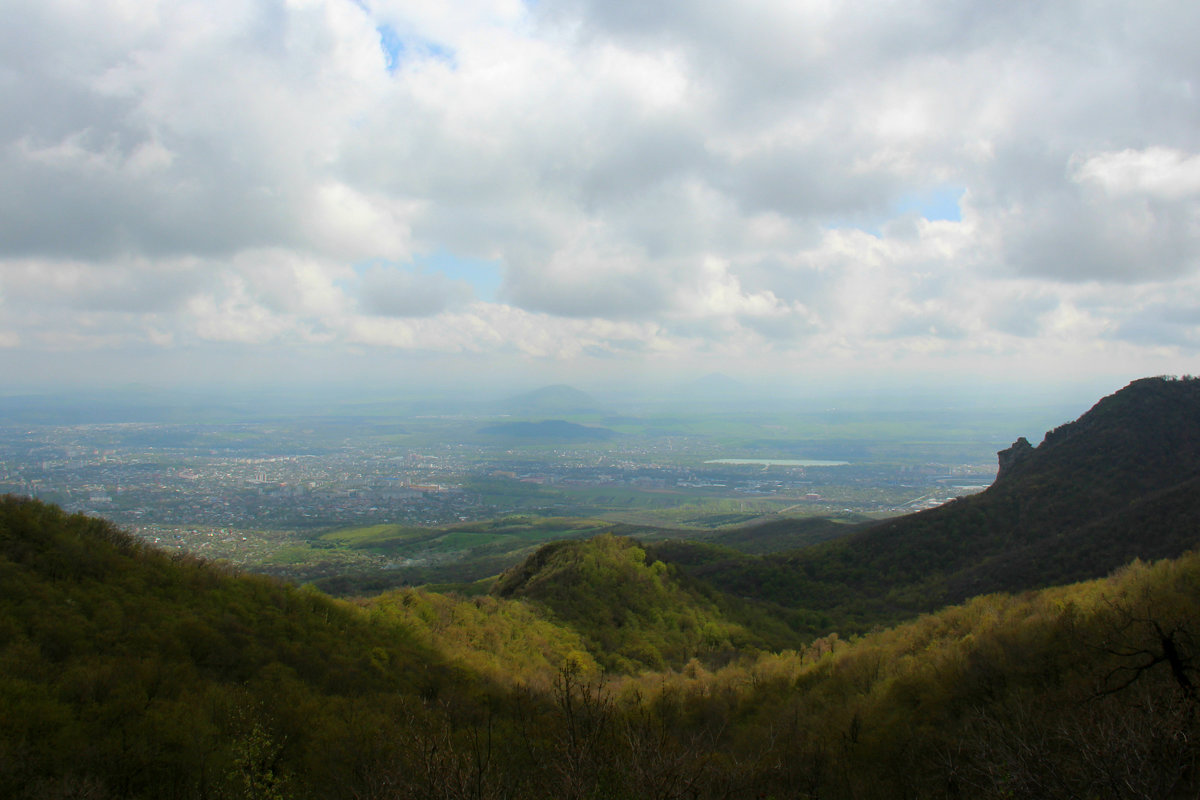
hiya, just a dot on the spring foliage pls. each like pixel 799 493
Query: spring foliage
pixel 128 673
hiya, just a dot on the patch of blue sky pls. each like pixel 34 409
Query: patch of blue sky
pixel 483 275
pixel 940 203
pixel 397 49
pixel 392 46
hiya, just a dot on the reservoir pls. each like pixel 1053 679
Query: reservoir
pixel 779 462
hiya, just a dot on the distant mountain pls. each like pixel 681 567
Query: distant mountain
pixel 550 400
pixel 1121 482
pixel 551 430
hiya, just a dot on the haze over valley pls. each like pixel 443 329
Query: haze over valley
pixel 261 488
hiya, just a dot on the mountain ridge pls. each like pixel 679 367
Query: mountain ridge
pixel 1133 457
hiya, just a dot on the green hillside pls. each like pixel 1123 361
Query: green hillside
pixel 160 676
pixel 125 673
pixel 785 534
pixel 637 613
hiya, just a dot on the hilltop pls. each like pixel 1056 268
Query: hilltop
pixel 635 612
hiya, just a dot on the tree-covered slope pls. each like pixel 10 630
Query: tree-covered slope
pixel 636 613
pixel 496 637
pixel 159 676
pixel 127 673
pixel 1087 690
pixel 1118 483
pixel 780 535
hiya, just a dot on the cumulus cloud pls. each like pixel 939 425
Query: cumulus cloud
pixel 1127 216
pixel 392 292
pixel 589 275
pixel 652 180
pixel 127 285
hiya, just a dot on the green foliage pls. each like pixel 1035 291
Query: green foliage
pixel 256 761
pixel 120 662
pixel 127 673
pixel 632 611
pixel 1005 696
pixel 493 636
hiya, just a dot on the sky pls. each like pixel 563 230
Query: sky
pixel 405 192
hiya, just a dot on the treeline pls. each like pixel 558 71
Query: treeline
pixel 126 673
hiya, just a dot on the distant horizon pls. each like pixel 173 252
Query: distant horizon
pixel 1054 403
pixel 252 371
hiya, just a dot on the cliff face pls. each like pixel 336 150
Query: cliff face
pixel 1020 450
pixel 1119 483
pixel 1143 438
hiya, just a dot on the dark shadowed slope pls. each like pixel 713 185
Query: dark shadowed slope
pixel 1118 483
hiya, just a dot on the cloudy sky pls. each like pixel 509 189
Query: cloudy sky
pixel 237 191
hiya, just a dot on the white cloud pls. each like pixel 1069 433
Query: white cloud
pixel 391 292
pixel 1158 172
pixel 655 181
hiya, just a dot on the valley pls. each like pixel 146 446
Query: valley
pixel 272 493
pixel 1037 639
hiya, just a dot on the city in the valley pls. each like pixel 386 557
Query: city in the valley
pixel 288 492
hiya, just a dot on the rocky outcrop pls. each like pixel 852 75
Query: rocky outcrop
pixel 1020 450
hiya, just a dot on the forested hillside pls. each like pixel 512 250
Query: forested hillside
pixel 637 613
pixel 1119 483
pixel 127 673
